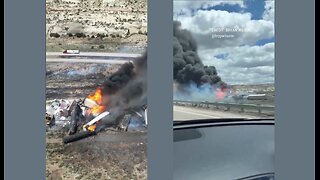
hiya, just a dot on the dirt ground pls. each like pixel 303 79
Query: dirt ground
pixel 111 154
pixel 75 80
pixel 133 44
pixel 108 155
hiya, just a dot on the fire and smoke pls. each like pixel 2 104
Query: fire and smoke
pixel 190 75
pixel 126 89
pixel 98 97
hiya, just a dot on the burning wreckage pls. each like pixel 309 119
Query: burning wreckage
pixel 83 118
pixel 120 103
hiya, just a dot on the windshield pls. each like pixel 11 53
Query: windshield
pixel 223 60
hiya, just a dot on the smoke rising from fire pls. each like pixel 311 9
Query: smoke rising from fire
pixel 187 65
pixel 132 83
pixel 127 89
pixel 193 80
pixel 119 79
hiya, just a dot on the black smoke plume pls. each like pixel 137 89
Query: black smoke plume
pixel 187 65
pixel 127 89
pixel 119 79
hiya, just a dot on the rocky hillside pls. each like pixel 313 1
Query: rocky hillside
pixel 96 21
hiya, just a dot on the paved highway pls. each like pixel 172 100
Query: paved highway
pixel 91 57
pixel 93 54
pixel 111 61
pixel 189 113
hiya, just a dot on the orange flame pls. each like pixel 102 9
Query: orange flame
pixel 97 97
pixel 97 109
pixel 92 127
pixel 220 94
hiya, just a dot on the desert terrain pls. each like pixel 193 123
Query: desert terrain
pixel 96 25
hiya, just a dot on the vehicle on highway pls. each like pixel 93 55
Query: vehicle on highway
pixel 257 97
pixel 224 149
pixel 68 51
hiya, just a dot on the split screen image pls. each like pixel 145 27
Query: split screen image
pixel 223 89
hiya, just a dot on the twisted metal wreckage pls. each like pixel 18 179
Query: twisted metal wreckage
pixel 80 121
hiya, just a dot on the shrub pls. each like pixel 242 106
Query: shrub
pixel 56 35
pixel 101 35
pixel 79 35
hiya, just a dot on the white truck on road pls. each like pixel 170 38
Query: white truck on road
pixel 69 51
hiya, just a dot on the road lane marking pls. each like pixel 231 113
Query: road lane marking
pixel 198 114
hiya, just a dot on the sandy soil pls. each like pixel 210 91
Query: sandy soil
pixel 108 155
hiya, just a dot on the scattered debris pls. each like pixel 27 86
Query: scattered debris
pixel 58 113
pixel 81 113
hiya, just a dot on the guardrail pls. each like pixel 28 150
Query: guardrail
pixel 260 109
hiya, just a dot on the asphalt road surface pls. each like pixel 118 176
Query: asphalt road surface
pixel 188 113
pixel 91 57
pixel 114 61
pixel 88 54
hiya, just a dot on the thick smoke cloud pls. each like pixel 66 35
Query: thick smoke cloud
pixel 119 79
pixel 127 89
pixel 131 85
pixel 187 65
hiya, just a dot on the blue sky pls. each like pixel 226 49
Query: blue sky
pixel 255 7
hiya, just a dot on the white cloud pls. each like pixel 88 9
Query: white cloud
pixel 202 24
pixel 186 7
pixel 244 64
pixel 268 13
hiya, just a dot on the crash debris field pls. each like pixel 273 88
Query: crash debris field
pixel 112 153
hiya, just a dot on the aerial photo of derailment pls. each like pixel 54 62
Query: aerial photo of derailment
pixel 96 91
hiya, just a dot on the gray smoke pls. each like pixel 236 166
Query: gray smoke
pixel 187 65
pixel 127 89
